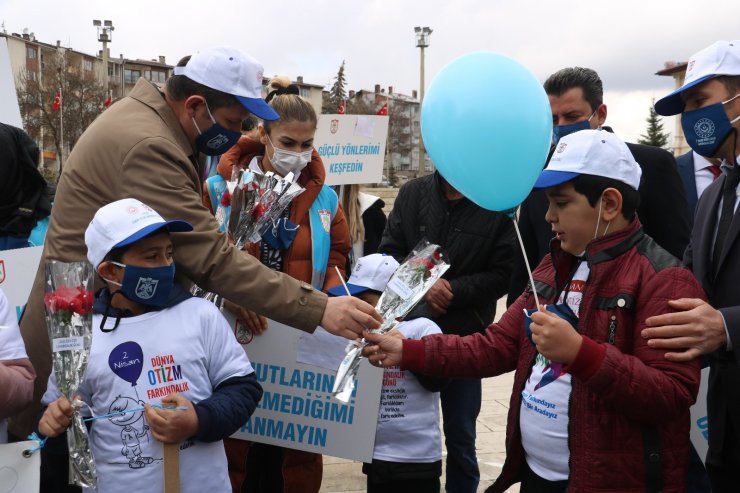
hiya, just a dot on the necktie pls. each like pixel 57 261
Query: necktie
pixel 728 211
pixel 714 170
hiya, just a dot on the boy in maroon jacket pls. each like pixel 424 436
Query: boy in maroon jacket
pixel 594 408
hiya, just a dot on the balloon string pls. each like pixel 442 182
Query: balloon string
pixel 136 410
pixel 526 261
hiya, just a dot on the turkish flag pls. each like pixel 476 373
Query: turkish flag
pixel 342 108
pixel 107 101
pixel 57 102
pixel 383 111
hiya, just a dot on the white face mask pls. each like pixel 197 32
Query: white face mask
pixel 598 220
pixel 286 162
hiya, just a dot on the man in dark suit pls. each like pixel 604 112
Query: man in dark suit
pixel 696 173
pixel 709 104
pixel 576 100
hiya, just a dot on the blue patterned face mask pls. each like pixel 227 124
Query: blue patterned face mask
pixel 280 234
pixel 150 286
pixel 560 131
pixel 216 139
pixel 706 128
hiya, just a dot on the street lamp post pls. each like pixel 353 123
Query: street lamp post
pixel 422 41
pixel 105 36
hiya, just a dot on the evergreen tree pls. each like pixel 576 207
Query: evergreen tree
pixel 656 135
pixel 336 94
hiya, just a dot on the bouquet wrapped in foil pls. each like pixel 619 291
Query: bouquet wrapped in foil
pixel 424 266
pixel 251 203
pixel 258 200
pixel 68 299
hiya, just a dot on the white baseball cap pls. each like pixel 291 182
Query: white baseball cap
pixel 122 223
pixel 231 71
pixel 370 272
pixel 721 58
pixel 590 152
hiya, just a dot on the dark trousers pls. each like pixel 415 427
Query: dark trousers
pixel 264 469
pixel 697 479
pixel 402 477
pixel 532 483
pixel 429 485
pixel 460 408
pixel 724 467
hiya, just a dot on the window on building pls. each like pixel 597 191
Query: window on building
pixel 155 75
pixel 32 75
pixel 110 70
pixel 305 92
pixel 131 76
pixel 87 64
pixel 30 52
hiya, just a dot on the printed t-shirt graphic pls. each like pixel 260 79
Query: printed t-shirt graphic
pixel 188 348
pixel 544 408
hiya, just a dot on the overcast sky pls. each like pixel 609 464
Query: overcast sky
pixel 626 41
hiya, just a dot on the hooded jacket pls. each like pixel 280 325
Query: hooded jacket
pixel 627 401
pixel 296 259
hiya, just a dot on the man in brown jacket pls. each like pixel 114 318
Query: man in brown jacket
pixel 146 146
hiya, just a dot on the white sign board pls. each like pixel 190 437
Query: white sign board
pixel 18 473
pixel 17 272
pixel 9 111
pixel 297 410
pixel 699 422
pixel 352 147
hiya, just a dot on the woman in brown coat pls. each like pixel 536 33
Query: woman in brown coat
pixel 286 146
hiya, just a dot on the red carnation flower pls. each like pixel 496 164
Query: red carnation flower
pixel 259 210
pixel 226 199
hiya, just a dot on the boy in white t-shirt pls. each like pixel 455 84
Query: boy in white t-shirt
pixel 408 447
pixel 16 372
pixel 154 345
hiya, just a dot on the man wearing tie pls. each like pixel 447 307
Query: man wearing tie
pixel 696 173
pixel 709 104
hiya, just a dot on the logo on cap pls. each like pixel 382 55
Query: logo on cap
pixel 217 141
pixel 704 128
pixel 132 210
pixel 561 147
pixel 691 65
pixel 146 287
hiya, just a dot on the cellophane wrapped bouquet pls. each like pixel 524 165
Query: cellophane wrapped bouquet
pixel 68 300
pixel 248 208
pixel 424 266
pixel 259 199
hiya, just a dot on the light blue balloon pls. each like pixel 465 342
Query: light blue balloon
pixel 487 127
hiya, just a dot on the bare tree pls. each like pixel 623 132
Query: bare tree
pixel 82 98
